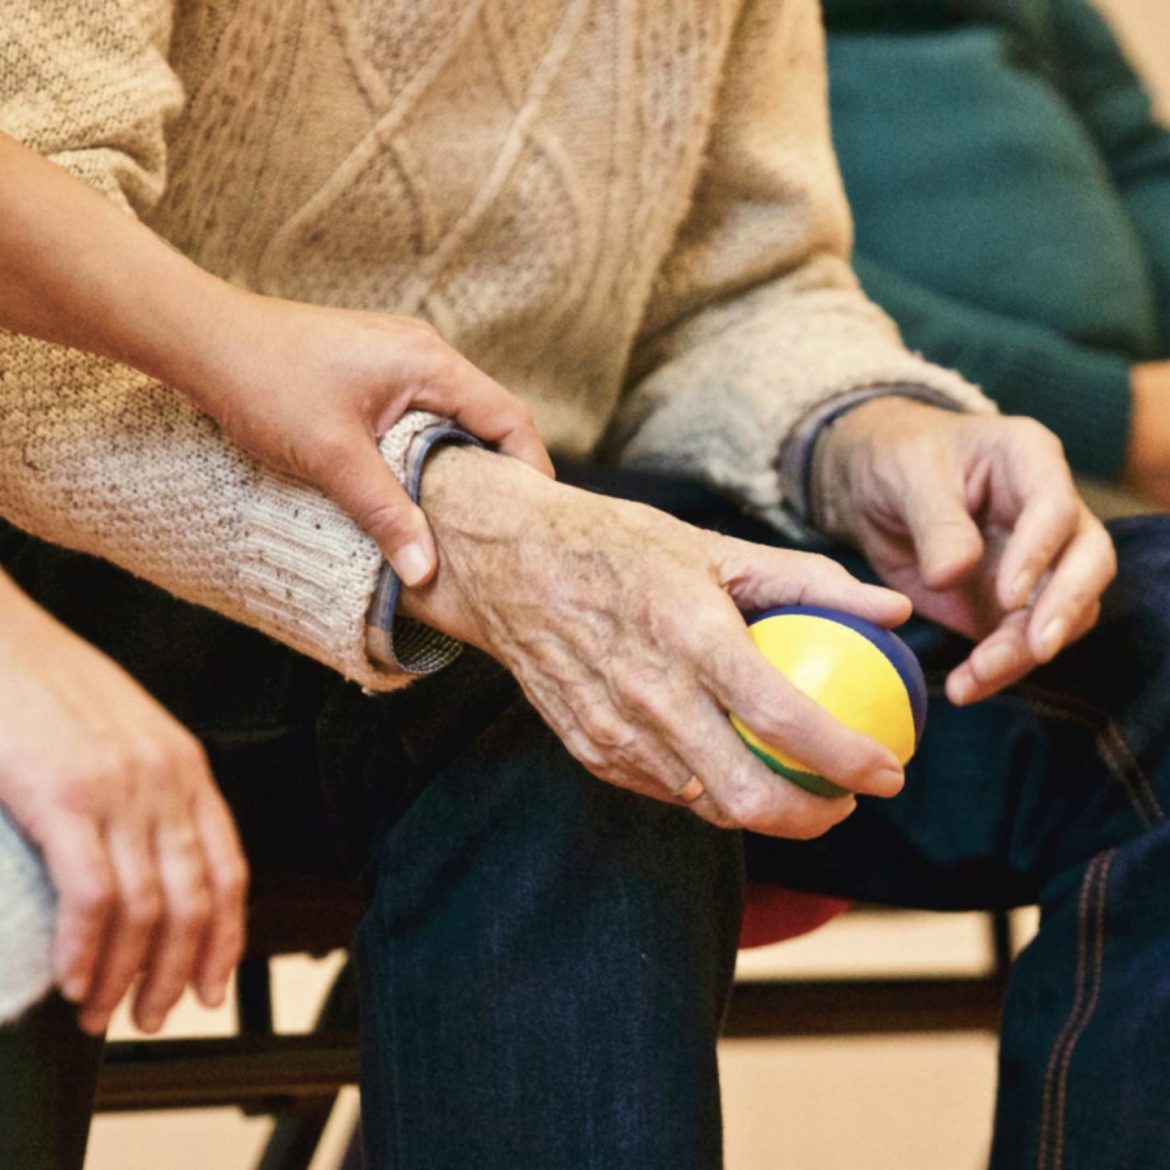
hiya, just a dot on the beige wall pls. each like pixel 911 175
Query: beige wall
pixel 1145 27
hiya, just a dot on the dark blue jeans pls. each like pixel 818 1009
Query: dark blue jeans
pixel 545 960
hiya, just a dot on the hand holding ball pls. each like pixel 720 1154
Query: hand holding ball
pixel 865 676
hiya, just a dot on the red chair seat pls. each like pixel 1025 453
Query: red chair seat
pixel 772 914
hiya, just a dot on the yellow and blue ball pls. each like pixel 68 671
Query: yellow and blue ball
pixel 865 676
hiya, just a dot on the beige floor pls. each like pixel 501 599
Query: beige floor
pixel 902 1103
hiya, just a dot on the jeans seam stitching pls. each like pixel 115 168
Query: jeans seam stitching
pixel 1090 940
pixel 1090 1007
pixel 1118 757
pixel 1066 1029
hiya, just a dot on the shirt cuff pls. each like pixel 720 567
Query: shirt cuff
pixel 795 461
pixel 392 640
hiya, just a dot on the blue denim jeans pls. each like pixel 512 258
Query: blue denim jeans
pixel 545 960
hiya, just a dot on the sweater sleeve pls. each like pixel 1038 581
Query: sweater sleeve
pixel 1115 106
pixel 100 458
pixel 1080 393
pixel 756 317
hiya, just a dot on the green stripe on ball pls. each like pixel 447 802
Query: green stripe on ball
pixel 809 781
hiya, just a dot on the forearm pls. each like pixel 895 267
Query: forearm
pixel 81 272
pixel 757 319
pixel 16 610
pixel 487 513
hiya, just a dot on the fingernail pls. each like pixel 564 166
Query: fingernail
pixel 411 563
pixel 1053 637
pixel 151 1021
pixel 74 988
pixel 215 995
pixel 960 690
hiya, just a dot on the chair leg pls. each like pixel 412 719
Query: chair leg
pixel 300 1125
pixel 48 1071
pixel 296 1135
pixel 353 1159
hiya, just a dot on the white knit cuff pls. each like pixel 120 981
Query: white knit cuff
pixel 27 917
pixel 308 573
pixel 795 461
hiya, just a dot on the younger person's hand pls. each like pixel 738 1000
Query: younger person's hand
pixel 139 844
pixel 308 391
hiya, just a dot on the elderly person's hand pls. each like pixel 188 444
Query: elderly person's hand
pixel 623 626
pixel 139 844
pixel 977 520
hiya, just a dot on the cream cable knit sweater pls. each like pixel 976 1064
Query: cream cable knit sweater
pixel 627 213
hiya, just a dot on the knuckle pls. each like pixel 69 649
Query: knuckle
pixel 584 750
pixel 1033 431
pixel 422 328
pixel 776 724
pixel 191 908
pixel 190 756
pixel 78 789
pixel 1108 553
pixel 142 907
pixel 639 692
pixel 513 414
pixel 231 881
pixel 94 899
pixel 154 757
pixel 859 763
pixel 607 732
pixel 748 805
pixel 522 412
pixel 825 566
pixel 1066 512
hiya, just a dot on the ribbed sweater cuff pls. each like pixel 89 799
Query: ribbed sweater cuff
pixel 1084 396
pixel 309 574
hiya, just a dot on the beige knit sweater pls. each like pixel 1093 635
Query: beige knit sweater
pixel 627 211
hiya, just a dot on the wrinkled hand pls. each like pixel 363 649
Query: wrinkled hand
pixel 977 520
pixel 139 844
pixel 308 391
pixel 1147 462
pixel 623 626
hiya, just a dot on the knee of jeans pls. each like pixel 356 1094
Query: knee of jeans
pixel 517 822
pixel 26 925
pixel 1128 655
pixel 1142 585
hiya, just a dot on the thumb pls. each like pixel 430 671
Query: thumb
pixel 947 541
pixel 367 490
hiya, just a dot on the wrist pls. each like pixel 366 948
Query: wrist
pixel 202 333
pixel 23 623
pixel 484 510
pixel 848 448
